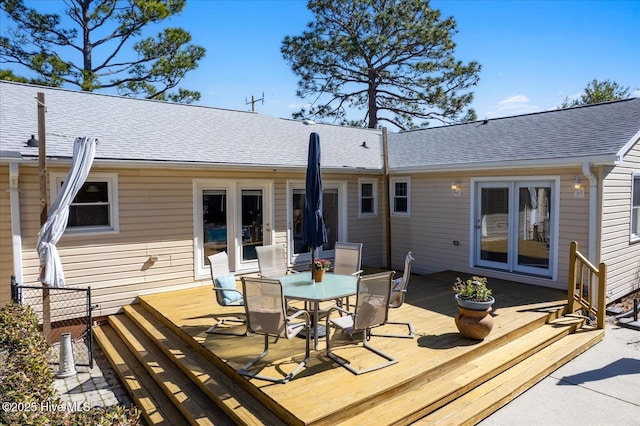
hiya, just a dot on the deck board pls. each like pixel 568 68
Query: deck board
pixel 184 394
pixel 312 394
pixel 156 407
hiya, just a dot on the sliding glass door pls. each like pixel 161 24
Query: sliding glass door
pixel 514 223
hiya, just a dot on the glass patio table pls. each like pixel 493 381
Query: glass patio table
pixel 301 287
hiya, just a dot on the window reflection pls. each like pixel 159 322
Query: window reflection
pixel 329 213
pixel 214 219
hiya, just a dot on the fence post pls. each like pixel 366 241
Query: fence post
pixel 14 289
pixel 90 326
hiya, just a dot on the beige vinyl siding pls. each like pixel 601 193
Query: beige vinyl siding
pixel 156 218
pixel 6 246
pixel 155 211
pixel 620 254
pixel 369 231
pixel 438 219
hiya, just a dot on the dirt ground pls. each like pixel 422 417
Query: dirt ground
pixel 626 303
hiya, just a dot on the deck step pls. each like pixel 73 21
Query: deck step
pixel 235 401
pixel 194 404
pixel 156 408
pixel 413 402
pixel 483 400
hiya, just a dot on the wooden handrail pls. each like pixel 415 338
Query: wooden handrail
pixel 579 297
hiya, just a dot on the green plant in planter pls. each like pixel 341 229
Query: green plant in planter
pixel 474 289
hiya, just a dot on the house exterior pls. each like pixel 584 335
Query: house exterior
pixel 505 197
pixel 173 183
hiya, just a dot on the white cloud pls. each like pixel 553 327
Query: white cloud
pixel 513 102
pixel 513 105
pixel 635 93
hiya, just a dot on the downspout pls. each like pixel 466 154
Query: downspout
pixel 16 233
pixel 385 197
pixel 593 210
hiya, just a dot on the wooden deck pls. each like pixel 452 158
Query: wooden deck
pixel 436 371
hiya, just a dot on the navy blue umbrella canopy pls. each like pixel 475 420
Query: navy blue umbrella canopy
pixel 315 233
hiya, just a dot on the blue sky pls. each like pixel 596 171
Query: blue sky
pixel 533 53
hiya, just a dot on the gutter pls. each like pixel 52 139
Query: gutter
pixel 386 198
pixel 506 165
pixel 593 209
pixel 198 165
pixel 16 233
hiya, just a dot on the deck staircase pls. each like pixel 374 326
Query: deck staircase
pixel 171 381
pixel 174 381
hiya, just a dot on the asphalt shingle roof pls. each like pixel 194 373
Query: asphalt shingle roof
pixel 143 130
pixel 595 131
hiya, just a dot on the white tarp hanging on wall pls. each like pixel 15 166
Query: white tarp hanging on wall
pixel 51 273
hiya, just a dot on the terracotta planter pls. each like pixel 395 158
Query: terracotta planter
pixel 318 275
pixel 474 324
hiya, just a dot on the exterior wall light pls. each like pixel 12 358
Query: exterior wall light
pixel 455 188
pixel 578 189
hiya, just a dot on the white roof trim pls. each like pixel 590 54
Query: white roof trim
pixel 627 147
pixel 155 164
pixel 503 165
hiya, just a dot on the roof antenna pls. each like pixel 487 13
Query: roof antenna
pixel 253 102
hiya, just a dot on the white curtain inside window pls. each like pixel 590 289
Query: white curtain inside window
pixel 51 273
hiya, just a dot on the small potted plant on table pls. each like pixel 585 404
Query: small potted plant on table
pixel 318 268
pixel 475 302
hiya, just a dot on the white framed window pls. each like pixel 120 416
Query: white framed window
pixel 635 207
pixel 400 196
pixel 367 197
pixel 95 207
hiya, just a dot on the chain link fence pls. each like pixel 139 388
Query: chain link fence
pixel 70 311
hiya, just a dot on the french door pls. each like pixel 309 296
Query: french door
pixel 514 226
pixel 231 216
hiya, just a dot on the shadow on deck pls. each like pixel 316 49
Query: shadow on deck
pixel 441 377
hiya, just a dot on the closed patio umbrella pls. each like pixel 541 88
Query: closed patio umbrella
pixel 51 273
pixel 315 233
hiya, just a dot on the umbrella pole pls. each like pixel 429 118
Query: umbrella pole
pixel 313 257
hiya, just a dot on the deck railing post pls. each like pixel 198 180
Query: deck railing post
pixel 572 278
pixel 602 294
pixel 597 293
